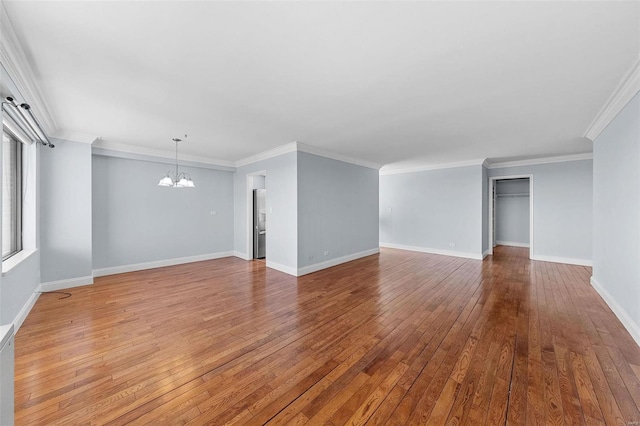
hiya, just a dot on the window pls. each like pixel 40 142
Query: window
pixel 11 195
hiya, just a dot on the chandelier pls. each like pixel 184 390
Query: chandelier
pixel 178 179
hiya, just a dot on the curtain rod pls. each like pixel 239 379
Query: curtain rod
pixel 26 120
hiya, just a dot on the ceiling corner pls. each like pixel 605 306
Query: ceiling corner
pixel 627 88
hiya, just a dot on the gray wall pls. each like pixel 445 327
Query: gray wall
pixel 65 211
pixel 137 221
pixel 616 213
pixel 259 182
pixel 282 205
pixel 337 209
pixel 18 287
pixel 433 209
pixel 512 212
pixel 562 208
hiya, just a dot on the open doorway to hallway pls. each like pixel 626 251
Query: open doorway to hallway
pixel 257 215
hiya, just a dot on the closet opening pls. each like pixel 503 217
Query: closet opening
pixel 511 212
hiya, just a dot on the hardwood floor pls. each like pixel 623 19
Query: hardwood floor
pixel 399 338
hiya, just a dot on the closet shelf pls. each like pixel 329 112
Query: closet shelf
pixel 525 194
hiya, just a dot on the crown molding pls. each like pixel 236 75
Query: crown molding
pixel 148 152
pixel 543 160
pixel 327 154
pixel 627 88
pixel 427 168
pixel 75 137
pixel 15 62
pixel 300 147
pixel 103 152
pixel 275 152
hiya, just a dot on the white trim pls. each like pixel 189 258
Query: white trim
pixel 492 183
pixel 322 153
pixel 627 88
pixel 282 268
pixel 15 62
pixel 466 255
pixel 105 152
pixel 158 263
pixel 16 259
pixel 130 149
pixel 242 256
pixel 6 333
pixel 542 160
pixel 424 168
pixel 511 243
pixel 623 316
pixel 300 147
pixel 337 261
pixel 75 137
pixel 70 283
pixel 567 260
pixel 275 152
pixel 26 308
pixel 486 253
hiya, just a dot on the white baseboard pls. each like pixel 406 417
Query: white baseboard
pixel 623 316
pixel 62 284
pixel 567 260
pixel 22 315
pixel 159 263
pixel 512 244
pixel 243 256
pixel 466 255
pixel 282 268
pixel 486 253
pixel 337 261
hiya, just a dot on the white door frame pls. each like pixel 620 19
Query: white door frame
pixel 492 185
pixel 249 222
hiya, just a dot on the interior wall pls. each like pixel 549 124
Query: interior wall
pixel 259 182
pixel 616 215
pixel 435 211
pixel 65 211
pixel 512 212
pixel 337 210
pixel 282 204
pixel 135 221
pixel 562 209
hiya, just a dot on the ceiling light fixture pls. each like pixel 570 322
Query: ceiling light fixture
pixel 178 179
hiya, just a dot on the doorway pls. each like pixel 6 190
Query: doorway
pixel 511 212
pixel 257 216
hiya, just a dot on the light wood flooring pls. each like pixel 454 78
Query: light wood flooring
pixel 391 339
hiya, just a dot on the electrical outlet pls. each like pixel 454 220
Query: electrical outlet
pixel 310 257
pixel 213 212
pixel 326 253
pixel 452 244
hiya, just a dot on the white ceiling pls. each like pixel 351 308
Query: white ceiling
pixel 395 83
